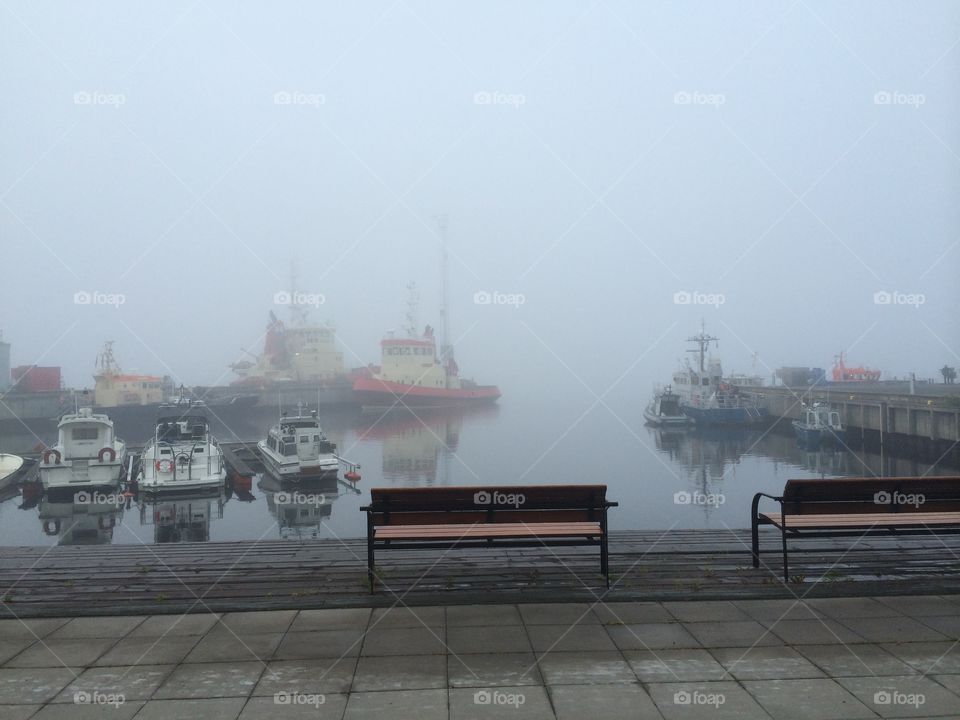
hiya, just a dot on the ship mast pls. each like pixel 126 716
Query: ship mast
pixel 446 350
pixel 703 342
pixel 413 304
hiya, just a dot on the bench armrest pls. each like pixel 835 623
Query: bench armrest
pixel 756 502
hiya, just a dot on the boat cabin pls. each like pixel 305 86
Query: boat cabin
pixel 83 434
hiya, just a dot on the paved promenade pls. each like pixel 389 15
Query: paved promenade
pixel 836 658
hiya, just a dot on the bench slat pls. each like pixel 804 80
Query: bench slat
pixel 498 530
pixel 859 520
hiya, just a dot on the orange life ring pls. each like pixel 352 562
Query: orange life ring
pixel 51 451
pixel 107 451
pixel 163 466
pixel 54 531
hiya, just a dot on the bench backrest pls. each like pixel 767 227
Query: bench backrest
pixel 872 495
pixel 488 503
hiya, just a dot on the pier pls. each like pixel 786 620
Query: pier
pixel 926 422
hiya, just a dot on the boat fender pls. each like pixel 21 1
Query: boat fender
pixel 55 530
pixel 107 451
pixel 352 476
pixel 48 453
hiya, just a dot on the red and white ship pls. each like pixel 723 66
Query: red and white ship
pixel 412 373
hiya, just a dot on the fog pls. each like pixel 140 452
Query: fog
pixel 777 164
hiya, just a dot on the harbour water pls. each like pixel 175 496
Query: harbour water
pixel 663 479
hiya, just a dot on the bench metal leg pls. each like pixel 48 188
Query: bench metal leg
pixel 786 572
pixel 755 530
pixel 605 560
pixel 370 555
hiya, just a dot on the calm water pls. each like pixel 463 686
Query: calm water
pixel 690 479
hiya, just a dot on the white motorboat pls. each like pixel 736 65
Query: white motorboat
pixel 9 464
pixel 296 448
pixel 87 454
pixel 664 410
pixel 183 454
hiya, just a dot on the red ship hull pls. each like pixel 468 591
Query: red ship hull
pixel 373 392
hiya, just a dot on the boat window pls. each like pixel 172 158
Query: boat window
pixel 705 381
pixel 197 451
pixel 304 439
pixel 316 438
pixel 289 449
pixel 165 451
pixel 82 433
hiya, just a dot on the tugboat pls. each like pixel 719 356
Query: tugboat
pixel 819 425
pixel 296 448
pixel 87 454
pixel 183 454
pixel 664 410
pixel 707 398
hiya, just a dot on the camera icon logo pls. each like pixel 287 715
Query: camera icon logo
pixel 482 297
pixel 482 498
pixel 882 498
pixel 682 497
pixel 482 697
pixel 682 697
pixel 82 498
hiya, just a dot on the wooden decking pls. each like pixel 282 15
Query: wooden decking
pixel 645 565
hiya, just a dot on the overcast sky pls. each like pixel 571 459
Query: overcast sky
pixel 782 162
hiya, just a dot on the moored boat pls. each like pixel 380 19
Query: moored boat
pixel 819 425
pixel 87 453
pixel 664 409
pixel 296 448
pixel 183 454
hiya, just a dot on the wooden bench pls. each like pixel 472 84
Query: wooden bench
pixel 855 507
pixel 461 517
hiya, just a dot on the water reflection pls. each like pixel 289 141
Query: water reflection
pixel 184 518
pixel 76 523
pixel 301 508
pixel 418 447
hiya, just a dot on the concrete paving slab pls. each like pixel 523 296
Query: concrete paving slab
pixel 175 625
pixel 295 707
pixel 62 711
pixel 501 703
pixel 331 619
pixel 492 639
pixel 705 701
pixel 208 709
pixel 737 633
pixel 814 632
pixel 221 647
pixel 211 680
pixel 493 670
pixel 921 605
pixel 684 665
pixel 772 610
pixel 326 675
pixel 251 623
pixel 404 641
pixel 928 658
pixel 34 685
pixel 806 699
pixel 765 663
pixel 902 697
pixel 893 629
pixel 705 611
pixel 651 636
pixel 947 625
pixel 401 617
pixel 149 650
pixel 14 629
pixel 22 712
pixel 419 704
pixel 852 607
pixel 626 613
pixel 319 644
pixel 399 672
pixel 96 685
pixel 12 648
pixel 585 668
pixel 855 660
pixel 98 627
pixel 558 614
pixel 55 653
pixel 467 615
pixel 575 702
pixel 569 638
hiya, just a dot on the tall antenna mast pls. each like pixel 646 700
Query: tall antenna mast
pixel 703 342
pixel 446 351
pixel 413 304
